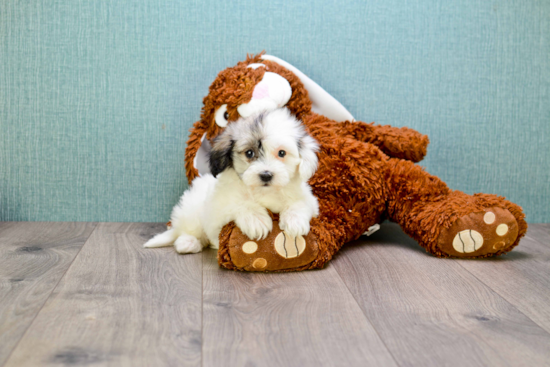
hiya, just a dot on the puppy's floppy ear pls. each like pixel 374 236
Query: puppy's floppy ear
pixel 221 155
pixel 307 147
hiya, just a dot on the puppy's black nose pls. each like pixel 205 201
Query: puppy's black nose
pixel 266 176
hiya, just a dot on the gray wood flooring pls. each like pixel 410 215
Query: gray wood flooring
pixel 89 294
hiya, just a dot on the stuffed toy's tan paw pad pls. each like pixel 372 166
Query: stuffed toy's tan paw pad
pixel 480 233
pixel 279 251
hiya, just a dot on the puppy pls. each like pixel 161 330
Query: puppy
pixel 258 163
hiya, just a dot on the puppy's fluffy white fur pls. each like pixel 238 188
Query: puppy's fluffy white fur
pixel 262 162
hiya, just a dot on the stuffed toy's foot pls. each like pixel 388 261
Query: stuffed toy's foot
pixel 486 225
pixel 277 252
pixel 451 223
pixel 480 234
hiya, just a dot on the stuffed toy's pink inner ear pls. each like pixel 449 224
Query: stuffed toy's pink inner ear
pixel 271 93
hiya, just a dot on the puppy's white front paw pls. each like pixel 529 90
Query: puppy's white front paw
pixel 294 223
pixel 255 226
pixel 186 244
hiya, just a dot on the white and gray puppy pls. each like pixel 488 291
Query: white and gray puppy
pixel 258 163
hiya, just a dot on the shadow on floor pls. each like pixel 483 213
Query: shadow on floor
pixel 390 234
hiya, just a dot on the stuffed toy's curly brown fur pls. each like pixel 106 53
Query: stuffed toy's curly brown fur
pixel 367 173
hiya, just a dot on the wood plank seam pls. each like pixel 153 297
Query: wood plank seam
pixel 480 320
pixel 504 299
pixel 95 224
pixel 529 237
pixel 366 317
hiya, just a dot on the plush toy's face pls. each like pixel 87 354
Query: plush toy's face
pixel 265 150
pixel 249 88
pixel 258 85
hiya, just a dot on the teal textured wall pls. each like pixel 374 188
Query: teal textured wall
pixel 96 97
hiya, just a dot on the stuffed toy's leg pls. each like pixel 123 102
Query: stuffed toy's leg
pixel 450 223
pixel 396 142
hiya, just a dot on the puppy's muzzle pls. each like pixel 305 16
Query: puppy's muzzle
pixel 266 176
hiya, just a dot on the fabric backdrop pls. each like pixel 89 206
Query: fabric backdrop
pixel 97 97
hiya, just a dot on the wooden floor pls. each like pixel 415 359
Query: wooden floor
pixel 89 294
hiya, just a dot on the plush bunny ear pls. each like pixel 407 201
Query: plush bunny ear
pixel 321 101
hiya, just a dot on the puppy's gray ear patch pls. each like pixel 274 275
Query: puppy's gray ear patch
pixel 221 155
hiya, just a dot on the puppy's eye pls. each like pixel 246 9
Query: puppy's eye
pixel 226 115
pixel 249 154
pixel 282 153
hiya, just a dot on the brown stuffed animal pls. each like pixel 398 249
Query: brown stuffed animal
pixel 367 173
